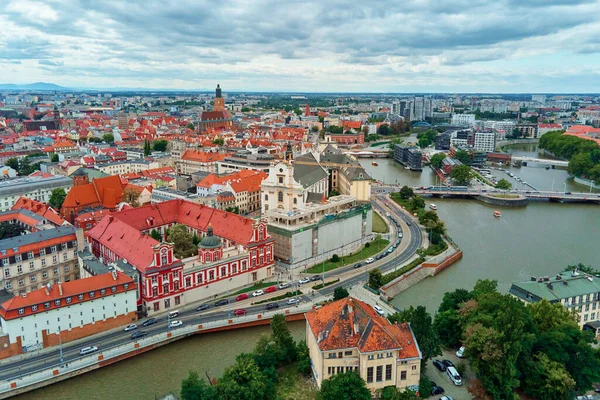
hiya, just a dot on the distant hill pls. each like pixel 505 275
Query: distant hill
pixel 32 86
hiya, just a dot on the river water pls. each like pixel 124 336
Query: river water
pixel 537 240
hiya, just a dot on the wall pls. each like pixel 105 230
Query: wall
pixel 341 232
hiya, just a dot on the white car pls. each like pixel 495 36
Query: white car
pixel 293 300
pixel 303 281
pixel 369 260
pixel 283 285
pixel 175 323
pixel 88 350
pixel 379 310
pixel 461 352
pixel 258 293
pixel 130 327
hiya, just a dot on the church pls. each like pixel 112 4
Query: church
pixel 219 117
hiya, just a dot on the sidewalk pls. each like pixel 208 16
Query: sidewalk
pixel 362 294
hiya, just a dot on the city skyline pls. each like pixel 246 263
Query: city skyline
pixel 422 47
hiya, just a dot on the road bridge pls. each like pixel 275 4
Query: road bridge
pixel 556 163
pixel 562 197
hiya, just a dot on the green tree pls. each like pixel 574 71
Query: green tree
pixel 298 111
pixel 194 388
pixel 160 145
pixel 461 175
pixel 147 147
pixel 484 287
pixel 156 235
pixel 392 393
pixel 54 158
pixel 447 324
pixel 436 160
pixel 108 138
pixel 383 130
pixel 13 163
pixel 422 326
pixel 464 157
pixel 416 203
pixel 57 198
pixel 283 338
pixel 244 381
pixel 340 293
pixel 546 379
pixel 503 184
pixel 131 196
pixel 344 386
pixel 375 278
pixel 9 230
pixel 304 364
pixel 453 300
pixel 425 385
pixel 190 125
pixel 406 192
pixel 182 240
pixel 219 142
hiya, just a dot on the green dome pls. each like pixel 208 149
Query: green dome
pixel 210 241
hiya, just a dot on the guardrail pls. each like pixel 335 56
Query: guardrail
pixel 114 352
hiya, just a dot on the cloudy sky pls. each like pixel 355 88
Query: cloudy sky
pixel 502 46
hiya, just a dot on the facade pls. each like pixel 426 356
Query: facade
pixel 63 312
pixel 39 208
pixel 576 291
pixel 346 138
pixel 193 161
pixel 35 187
pixel 463 119
pixel 127 167
pixel 409 156
pixel 442 141
pixel 485 141
pixel 245 185
pixel 219 117
pixel 244 159
pixel 529 131
pixel 348 335
pixel 346 175
pixel 243 257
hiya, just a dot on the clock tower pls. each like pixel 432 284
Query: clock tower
pixel 219 104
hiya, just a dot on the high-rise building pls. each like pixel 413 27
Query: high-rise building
pixel 485 141
pixel 418 109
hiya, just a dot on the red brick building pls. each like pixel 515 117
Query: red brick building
pixel 104 192
pixel 219 117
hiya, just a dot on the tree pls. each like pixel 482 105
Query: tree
pixel 283 338
pixel 464 157
pixel 346 386
pixel 54 158
pixel 190 125
pixel 131 196
pixel 383 130
pixel 462 175
pixel 426 138
pixel 108 138
pixel 147 147
pixel 194 388
pixel 503 184
pixel 453 300
pixel 298 111
pixel 416 203
pixel 340 293
pixel 314 129
pixel 422 326
pixel 219 142
pixel 57 198
pixel 436 160
pixel 392 393
pixel 244 381
pixel 375 279
pixel 156 235
pixel 304 365
pixel 13 163
pixel 425 385
pixel 406 192
pixel 160 145
pixel 182 241
pixel 335 258
pixel 9 229
pixel 546 379
pixel 447 325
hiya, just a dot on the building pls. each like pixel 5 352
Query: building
pixel 193 161
pixel 66 311
pixel 245 186
pixel 463 119
pixel 503 158
pixel 545 128
pixel 7 172
pixel 104 192
pixel 448 164
pixel 442 141
pixel 409 156
pixel 348 335
pixel 485 141
pixel 237 253
pixel 39 208
pixel 127 167
pixel 576 291
pixel 219 117
pixel 35 187
pixel 528 131
pixel 258 160
pixel 346 175
pixel 349 137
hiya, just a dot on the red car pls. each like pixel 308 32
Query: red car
pixel 242 296
pixel 270 289
pixel 239 311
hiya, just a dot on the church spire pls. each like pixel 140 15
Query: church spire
pixel 218 91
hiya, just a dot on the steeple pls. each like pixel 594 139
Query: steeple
pixel 218 91
pixel 219 104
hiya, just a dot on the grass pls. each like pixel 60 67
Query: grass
pixel 504 196
pixel 375 247
pixel 292 385
pixel 283 296
pixel 379 225
pixel 391 276
pixel 321 286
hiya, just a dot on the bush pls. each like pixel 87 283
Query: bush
pixel 367 245
pixel 340 293
pixel 425 387
pixel 335 258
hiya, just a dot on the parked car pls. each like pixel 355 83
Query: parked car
pixel 138 334
pixel 390 250
pixel 293 300
pixel 271 306
pixel 240 311
pixel 222 302
pixel 447 363
pixel 284 285
pixel 369 260
pixel 175 323
pixel 203 307
pixel 454 376
pixel 357 265
pixel 461 352
pixel 303 281
pixel 439 365
pixel 87 350
pixel 379 310
pixel 379 257
pixel 258 293
pixel 315 278
pixel 149 322
pixel 435 389
pixel 130 327
pixel 270 289
pixel 408 223
pixel 173 314
pixel 400 235
pixel 446 398
pixel 241 297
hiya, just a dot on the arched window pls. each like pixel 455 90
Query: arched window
pixel 280 196
pixel 266 197
pixel 295 200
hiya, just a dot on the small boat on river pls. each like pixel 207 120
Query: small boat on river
pixel 497 214
pixel 374 163
pixel 433 206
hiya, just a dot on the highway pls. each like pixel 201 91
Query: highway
pixel 349 276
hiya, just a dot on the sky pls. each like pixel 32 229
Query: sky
pixel 491 46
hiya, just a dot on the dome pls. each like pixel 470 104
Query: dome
pixel 210 241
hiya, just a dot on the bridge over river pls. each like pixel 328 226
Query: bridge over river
pixel 561 197
pixel 525 160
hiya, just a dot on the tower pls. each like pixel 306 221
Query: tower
pixel 307 111
pixel 219 104
pixel 80 178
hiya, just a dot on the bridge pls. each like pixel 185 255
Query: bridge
pixel 561 197
pixel 556 163
pixel 371 153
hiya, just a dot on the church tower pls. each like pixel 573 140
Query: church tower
pixel 219 104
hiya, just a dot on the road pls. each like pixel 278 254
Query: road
pixel 348 277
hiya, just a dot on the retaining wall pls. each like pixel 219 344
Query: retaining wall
pixel 520 202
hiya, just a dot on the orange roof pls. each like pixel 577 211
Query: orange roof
pixel 351 323
pixel 106 191
pixel 352 124
pixel 41 209
pixel 202 156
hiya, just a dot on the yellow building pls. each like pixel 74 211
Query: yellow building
pixel 348 335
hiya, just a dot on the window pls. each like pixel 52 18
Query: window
pixel 47 304
pixel 42 252
pixel 43 262
pixel 5 261
pixel 379 355
pixel 295 200
pixel 331 355
pixel 126 286
pixel 330 370
pixel 370 375
pixel 31 267
pixel 18 258
pixel 69 299
pixel 379 376
pixel 55 271
pixel 8 285
pixel 63 246
pixel 34 308
pixel 234 269
pixel 30 254
pixel 113 289
pixel 177 300
pixel 102 291
pixel 340 354
pixel 154 291
pixel 414 367
pixel 402 375
pixel 45 274
pixel 7 272
pixel 65 256
pixel 254 276
pixel 156 306
pixel 21 311
pixel 389 354
pixel 348 353
pixel 32 278
pixel 21 282
pixel 54 259
pixel 266 197
pixel 154 279
pixel 80 297
pixel 57 302
pixel 388 372
pixel 371 356
pixel 188 282
pixel 66 268
pixel 92 294
pixel 211 275
pixel 176 285
pixel 280 197
pixel 53 249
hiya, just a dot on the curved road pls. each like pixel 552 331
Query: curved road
pixel 12 369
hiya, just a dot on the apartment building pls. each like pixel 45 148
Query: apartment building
pixel 193 161
pixel 485 141
pixel 35 187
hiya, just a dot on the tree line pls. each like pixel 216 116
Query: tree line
pixel 583 154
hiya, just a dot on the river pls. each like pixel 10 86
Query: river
pixel 537 240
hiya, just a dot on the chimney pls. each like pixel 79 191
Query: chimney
pixel 60 288
pixel 114 275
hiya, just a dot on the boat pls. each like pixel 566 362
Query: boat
pixel 374 164
pixel 433 206
pixel 497 214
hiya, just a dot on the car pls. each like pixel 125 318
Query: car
pixel 87 350
pixel 408 223
pixel 461 352
pixel 203 307
pixel 270 289
pixel 257 293
pixel 271 306
pixel 241 297
pixel 447 363
pixel 454 376
pixel 138 334
pixel 379 310
pixel 369 260
pixel 435 389
pixel 284 285
pixel 175 323
pixel 149 322
pixel 303 281
pixel 240 311
pixel 357 265
pixel 315 278
pixel 400 235
pixel 446 398
pixel 222 302
pixel 130 327
pixel 293 300
pixel 568 193
pixel 173 314
pixel 379 257
pixel 388 214
pixel 390 250
pixel 439 365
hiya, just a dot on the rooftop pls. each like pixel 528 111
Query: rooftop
pixel 561 286
pixel 35 240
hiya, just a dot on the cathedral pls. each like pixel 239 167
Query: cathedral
pixel 219 117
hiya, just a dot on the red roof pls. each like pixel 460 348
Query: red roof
pixel 106 191
pixel 350 323
pixel 41 209
pixel 202 156
pixel 352 124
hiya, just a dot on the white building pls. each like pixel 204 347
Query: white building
pixel 485 141
pixel 34 187
pixel 463 119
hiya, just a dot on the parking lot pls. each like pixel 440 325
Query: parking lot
pixel 441 379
